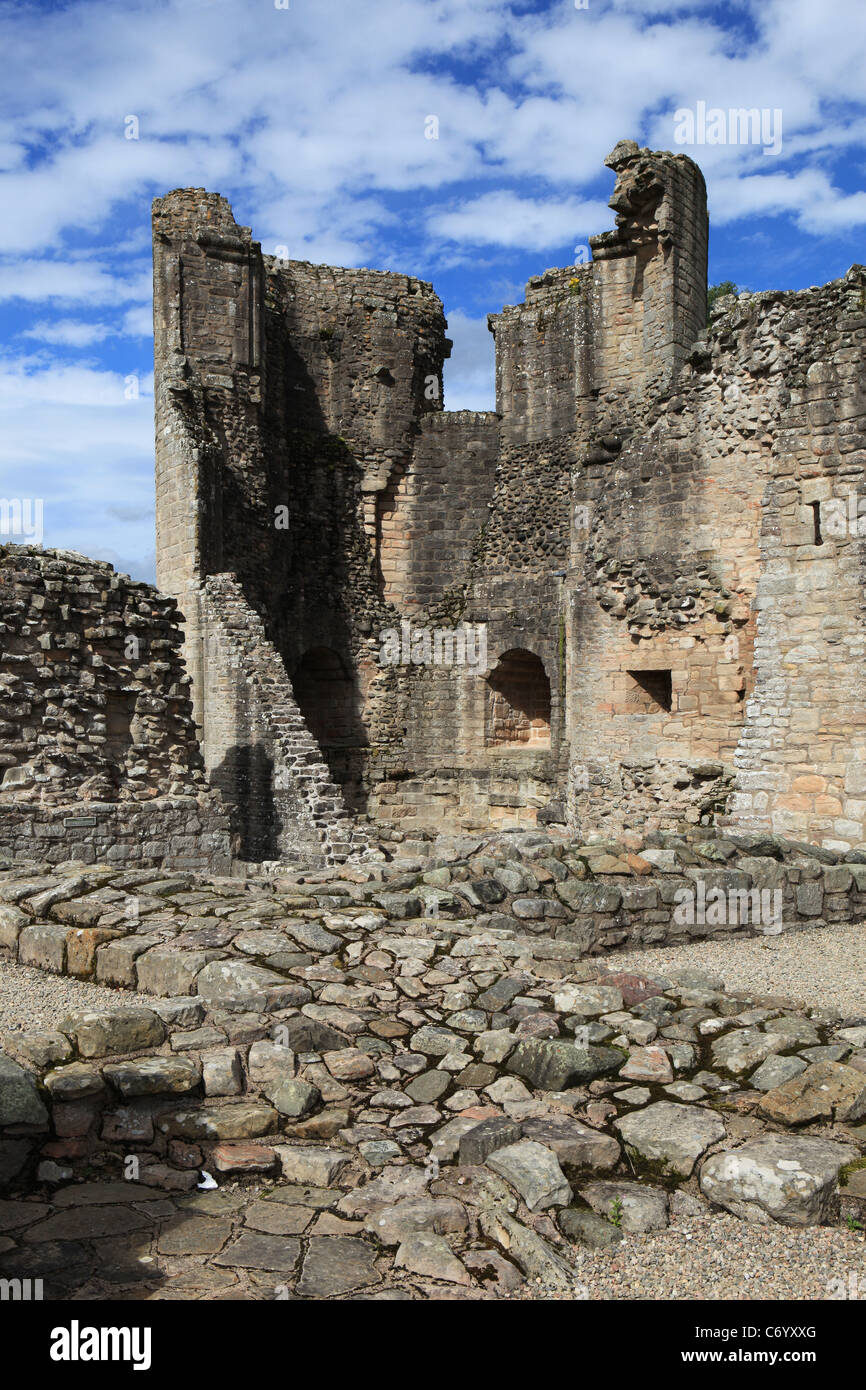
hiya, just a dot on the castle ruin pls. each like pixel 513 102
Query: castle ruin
pixel 620 620
pixel 655 540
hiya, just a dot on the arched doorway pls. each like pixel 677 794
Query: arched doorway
pixel 518 702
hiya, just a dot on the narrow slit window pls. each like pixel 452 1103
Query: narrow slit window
pixel 816 522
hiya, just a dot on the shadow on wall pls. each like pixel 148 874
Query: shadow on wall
pixel 518 702
pixel 245 777
pixel 240 536
pixel 329 698
pixel 297 388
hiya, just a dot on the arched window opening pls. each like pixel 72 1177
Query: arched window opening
pixel 518 702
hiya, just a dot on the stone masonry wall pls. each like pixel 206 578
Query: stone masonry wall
pixel 95 696
pixel 801 761
pixel 98 746
pixel 431 515
pixel 210 475
pixel 638 516
pixel 257 749
pixel 681 546
pixel 579 367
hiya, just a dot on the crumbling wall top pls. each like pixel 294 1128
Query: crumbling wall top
pixel 657 194
pixel 199 214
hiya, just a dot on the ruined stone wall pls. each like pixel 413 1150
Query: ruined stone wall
pixel 664 567
pixel 316 393
pixel 211 478
pixel 544 366
pixel 258 750
pixel 96 735
pixel 354 368
pixel 485 536
pixel 371 467
pixel 650 277
pixel 634 529
pixel 376 503
pixel 95 696
pixel 594 345
pixel 432 514
pixel 297 469
pixel 800 760
pixel 580 366
pixel 697 559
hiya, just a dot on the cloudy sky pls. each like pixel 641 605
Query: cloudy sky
pixel 313 117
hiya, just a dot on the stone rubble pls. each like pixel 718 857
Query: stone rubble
pixel 395 1105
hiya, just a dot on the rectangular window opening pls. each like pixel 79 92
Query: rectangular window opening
pixel 656 687
pixel 816 522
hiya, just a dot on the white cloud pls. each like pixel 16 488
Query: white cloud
pixel 69 436
pixel 506 219
pixel 313 116
pixel 470 371
pixel 71 282
pixel 312 120
pixel 23 387
pixel 69 332
pixel 138 322
pixel 816 204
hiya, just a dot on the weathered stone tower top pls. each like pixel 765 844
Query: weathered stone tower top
pixel 250 349
pixel 598 341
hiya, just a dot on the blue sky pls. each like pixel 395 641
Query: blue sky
pixel 311 119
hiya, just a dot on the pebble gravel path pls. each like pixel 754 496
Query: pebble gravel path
pixel 720 1257
pixel 31 998
pixel 824 967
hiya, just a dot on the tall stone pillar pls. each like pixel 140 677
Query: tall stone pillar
pixel 207 302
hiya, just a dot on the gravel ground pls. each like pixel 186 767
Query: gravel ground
pixel 825 967
pixel 32 999
pixel 722 1257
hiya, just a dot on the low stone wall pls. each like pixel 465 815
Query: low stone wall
pixel 316 1033
pixel 181 832
pixel 94 695
pixel 98 752
pixel 596 896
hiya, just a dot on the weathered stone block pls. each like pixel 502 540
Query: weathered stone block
pixel 96 1033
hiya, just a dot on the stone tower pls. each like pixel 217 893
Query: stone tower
pixel 618 531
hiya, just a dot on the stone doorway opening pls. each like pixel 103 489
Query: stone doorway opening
pixel 325 694
pixel 518 702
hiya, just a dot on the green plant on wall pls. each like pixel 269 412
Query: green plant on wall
pixel 715 292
